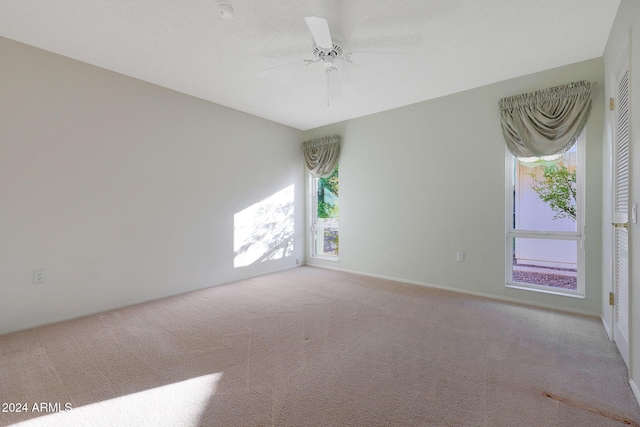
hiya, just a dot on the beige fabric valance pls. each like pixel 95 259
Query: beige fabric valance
pixel 321 155
pixel 545 122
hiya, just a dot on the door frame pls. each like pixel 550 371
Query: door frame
pixel 624 63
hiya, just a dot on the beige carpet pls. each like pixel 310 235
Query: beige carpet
pixel 311 347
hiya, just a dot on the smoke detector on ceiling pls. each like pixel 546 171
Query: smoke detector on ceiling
pixel 225 10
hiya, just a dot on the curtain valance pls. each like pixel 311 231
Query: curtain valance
pixel 321 155
pixel 545 122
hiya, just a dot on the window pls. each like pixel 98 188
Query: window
pixel 324 211
pixel 545 241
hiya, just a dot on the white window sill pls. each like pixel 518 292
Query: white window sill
pixel 325 258
pixel 544 290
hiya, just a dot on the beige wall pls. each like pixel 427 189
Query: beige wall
pixel 99 167
pixel 419 183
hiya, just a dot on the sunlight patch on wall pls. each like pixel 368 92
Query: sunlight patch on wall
pixel 264 231
pixel 177 404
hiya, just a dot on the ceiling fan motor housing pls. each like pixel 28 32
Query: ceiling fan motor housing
pixel 328 55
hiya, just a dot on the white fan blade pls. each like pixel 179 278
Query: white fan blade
pixel 373 57
pixel 334 89
pixel 283 67
pixel 320 32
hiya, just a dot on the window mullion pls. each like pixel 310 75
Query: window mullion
pixel 562 235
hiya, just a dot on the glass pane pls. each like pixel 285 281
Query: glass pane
pixel 546 262
pixel 545 193
pixel 328 196
pixel 327 239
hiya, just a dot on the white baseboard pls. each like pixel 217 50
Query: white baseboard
pixel 607 328
pixel 460 291
pixel 635 389
pixel 117 306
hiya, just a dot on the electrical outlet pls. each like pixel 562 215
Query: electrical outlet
pixel 460 256
pixel 39 276
pixel 94 269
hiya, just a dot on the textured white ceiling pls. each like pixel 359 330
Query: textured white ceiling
pixel 451 45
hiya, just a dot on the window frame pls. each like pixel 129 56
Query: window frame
pixel 313 210
pixel 578 235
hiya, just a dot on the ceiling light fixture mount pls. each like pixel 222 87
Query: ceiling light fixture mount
pixel 225 10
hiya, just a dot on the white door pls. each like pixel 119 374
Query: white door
pixel 620 210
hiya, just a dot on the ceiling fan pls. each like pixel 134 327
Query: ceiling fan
pixel 327 51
